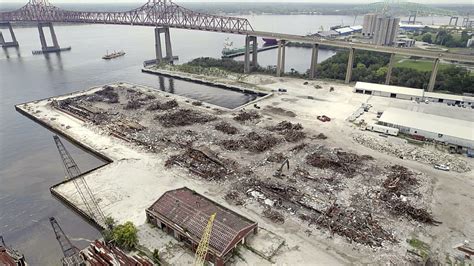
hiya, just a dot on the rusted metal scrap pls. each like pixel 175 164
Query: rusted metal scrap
pixel 202 164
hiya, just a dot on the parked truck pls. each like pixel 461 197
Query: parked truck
pixel 382 129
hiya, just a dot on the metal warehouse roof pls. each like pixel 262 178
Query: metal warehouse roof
pixel 389 89
pixel 432 123
pixel 411 92
pixel 191 212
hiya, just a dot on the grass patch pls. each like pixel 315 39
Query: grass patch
pixel 420 65
pixel 420 246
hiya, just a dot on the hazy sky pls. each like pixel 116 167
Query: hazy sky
pixel 306 1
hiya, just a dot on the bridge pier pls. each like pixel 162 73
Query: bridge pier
pixel 44 44
pixel 13 42
pixel 158 47
pixel 314 61
pixel 250 65
pixel 434 72
pixel 280 70
pixel 388 77
pixel 350 64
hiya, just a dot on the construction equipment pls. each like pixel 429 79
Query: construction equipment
pixel 203 246
pixel 71 253
pixel 279 171
pixel 74 174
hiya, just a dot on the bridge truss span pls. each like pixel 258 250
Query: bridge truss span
pixel 156 13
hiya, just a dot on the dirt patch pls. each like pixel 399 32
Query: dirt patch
pixel 279 111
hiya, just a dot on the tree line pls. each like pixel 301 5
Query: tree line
pixel 368 67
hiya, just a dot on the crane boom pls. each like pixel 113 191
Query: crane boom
pixel 203 246
pixel 73 173
pixel 70 252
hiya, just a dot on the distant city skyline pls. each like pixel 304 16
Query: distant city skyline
pixel 248 1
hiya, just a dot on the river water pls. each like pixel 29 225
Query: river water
pixel 29 161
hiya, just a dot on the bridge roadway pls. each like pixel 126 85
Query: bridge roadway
pixel 164 14
pixel 363 46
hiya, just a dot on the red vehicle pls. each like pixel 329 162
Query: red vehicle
pixel 323 118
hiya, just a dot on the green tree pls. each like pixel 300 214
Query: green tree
pixel 427 38
pixel 125 235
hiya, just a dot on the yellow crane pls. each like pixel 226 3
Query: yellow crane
pixel 203 246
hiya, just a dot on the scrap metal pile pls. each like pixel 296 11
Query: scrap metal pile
pixel 397 186
pixel 203 164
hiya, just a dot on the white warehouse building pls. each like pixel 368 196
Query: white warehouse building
pixel 439 128
pixel 406 93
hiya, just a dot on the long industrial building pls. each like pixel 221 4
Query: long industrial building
pixel 184 214
pixel 406 93
pixel 442 129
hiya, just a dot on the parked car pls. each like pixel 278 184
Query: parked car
pixel 441 167
pixel 323 118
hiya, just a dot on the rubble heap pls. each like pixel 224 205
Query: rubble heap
pixel 226 128
pixel 411 152
pixel 291 132
pixel 397 186
pixel 158 105
pixel 183 117
pixel 338 161
pixel 202 164
pixel 243 116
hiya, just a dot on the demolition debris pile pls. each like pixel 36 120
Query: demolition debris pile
pixel 243 116
pixel 202 164
pixel 339 161
pixel 226 128
pixel 159 105
pixel 398 185
pixel 412 152
pixel 289 175
pixel 291 132
pixel 183 117
pixel 252 141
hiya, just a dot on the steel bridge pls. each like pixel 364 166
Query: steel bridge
pixel 164 14
pixel 156 13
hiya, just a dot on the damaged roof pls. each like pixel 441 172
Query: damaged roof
pixel 191 212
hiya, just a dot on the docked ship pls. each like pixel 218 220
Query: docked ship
pixel 113 55
pixel 9 256
pixel 229 48
pixel 269 41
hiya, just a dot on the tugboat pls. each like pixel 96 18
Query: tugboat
pixel 113 55
pixel 9 256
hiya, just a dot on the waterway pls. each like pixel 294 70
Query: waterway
pixel 29 161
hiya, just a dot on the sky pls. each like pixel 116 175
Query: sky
pixel 281 1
